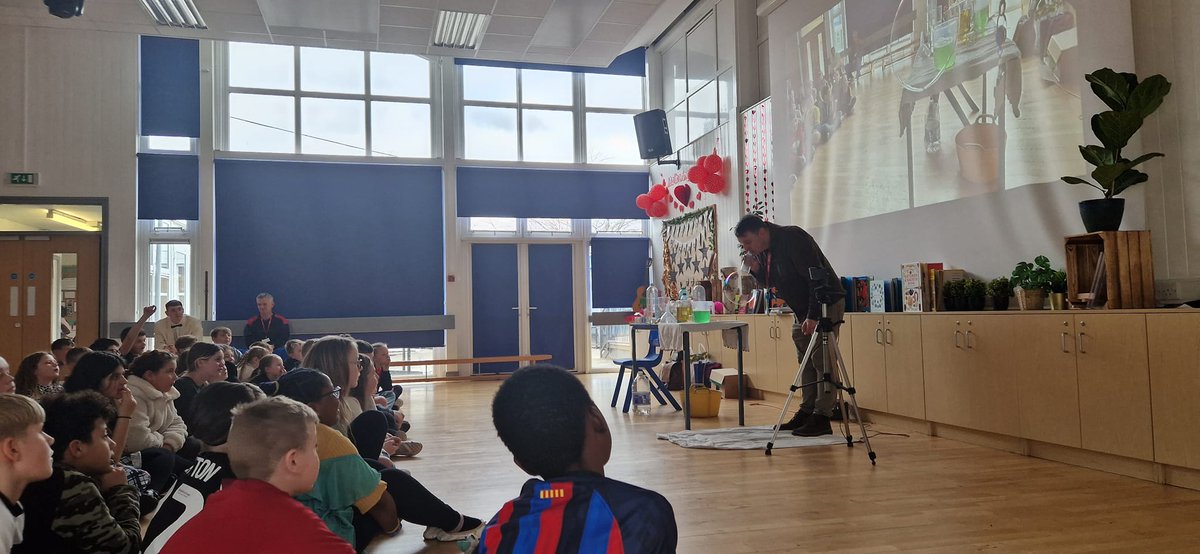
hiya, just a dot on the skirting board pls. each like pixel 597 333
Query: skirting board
pixel 1139 469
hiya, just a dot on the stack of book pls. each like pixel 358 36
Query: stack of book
pixel 868 294
pixel 922 284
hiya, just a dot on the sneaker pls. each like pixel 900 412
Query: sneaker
pixel 408 449
pixel 816 426
pixel 796 422
pixel 442 535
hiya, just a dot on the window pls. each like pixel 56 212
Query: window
pixel 619 227
pixel 548 226
pixel 323 101
pixel 533 116
pixel 493 225
pixel 697 83
pixel 552 227
pixel 170 271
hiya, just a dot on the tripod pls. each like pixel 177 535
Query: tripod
pixel 838 379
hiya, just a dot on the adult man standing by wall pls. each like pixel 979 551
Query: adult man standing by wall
pixel 177 324
pixel 780 258
pixel 267 325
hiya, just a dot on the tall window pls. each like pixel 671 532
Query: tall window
pixel 169 261
pixel 549 116
pixel 322 101
pixel 697 81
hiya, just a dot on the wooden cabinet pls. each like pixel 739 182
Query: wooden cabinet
pixel 968 381
pixel 947 386
pixel 1114 384
pixel 870 379
pixel 903 365
pixel 1042 362
pixel 764 330
pixel 1174 347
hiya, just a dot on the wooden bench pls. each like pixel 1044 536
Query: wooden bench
pixel 532 358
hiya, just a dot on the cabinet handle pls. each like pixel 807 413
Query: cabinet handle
pixel 970 334
pixel 887 336
pixel 1063 337
pixel 957 333
pixel 878 336
pixel 1082 350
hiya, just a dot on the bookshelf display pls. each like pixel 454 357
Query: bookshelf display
pixel 1110 269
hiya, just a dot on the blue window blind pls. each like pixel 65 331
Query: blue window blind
pixel 619 267
pixel 168 186
pixel 170 94
pixel 577 194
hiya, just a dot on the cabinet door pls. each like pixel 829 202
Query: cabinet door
pixel 993 408
pixel 1175 386
pixel 762 333
pixel 870 379
pixel 1042 362
pixel 1114 385
pixel 904 366
pixel 948 385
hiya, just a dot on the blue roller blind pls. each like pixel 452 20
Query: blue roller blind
pixel 632 63
pixel 168 186
pixel 619 267
pixel 170 87
pixel 577 194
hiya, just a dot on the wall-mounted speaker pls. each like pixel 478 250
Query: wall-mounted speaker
pixel 654 139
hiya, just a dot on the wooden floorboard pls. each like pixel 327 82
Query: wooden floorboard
pixel 926 494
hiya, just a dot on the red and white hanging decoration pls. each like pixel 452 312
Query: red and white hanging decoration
pixel 760 184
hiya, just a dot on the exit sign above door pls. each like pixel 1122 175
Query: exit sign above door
pixel 23 178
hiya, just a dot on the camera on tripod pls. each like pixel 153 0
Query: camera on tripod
pixel 825 294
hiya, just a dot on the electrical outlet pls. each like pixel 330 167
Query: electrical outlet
pixel 1177 291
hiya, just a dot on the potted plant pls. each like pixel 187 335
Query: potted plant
pixel 1058 290
pixel 1031 281
pixel 952 296
pixel 1000 290
pixel 1130 103
pixel 974 293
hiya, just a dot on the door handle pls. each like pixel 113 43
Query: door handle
pixel 1063 339
pixel 30 301
pixel 533 307
pixel 957 333
pixel 878 336
pixel 516 307
pixel 887 336
pixel 970 334
pixel 1082 350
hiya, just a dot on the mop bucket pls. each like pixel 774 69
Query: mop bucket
pixel 980 149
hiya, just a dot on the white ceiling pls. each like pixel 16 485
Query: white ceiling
pixel 574 32
pixel 32 217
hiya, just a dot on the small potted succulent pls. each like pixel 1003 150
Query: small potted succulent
pixel 1058 290
pixel 952 296
pixel 1031 282
pixel 1000 290
pixel 974 294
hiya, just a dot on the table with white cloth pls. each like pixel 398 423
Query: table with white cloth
pixel 687 329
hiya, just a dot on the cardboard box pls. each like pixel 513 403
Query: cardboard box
pixel 726 381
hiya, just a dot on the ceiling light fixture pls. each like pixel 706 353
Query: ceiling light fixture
pixel 59 216
pixel 175 13
pixel 459 29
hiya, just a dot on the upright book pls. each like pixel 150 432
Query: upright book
pixel 912 278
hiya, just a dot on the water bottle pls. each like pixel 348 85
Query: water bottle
pixel 641 393
pixel 933 129
pixel 653 309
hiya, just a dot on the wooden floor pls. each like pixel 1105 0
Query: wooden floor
pixel 926 494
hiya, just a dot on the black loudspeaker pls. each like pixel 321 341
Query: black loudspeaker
pixel 65 9
pixel 654 139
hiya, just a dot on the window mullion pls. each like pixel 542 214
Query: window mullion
pixel 520 122
pixel 367 102
pixel 296 100
pixel 579 118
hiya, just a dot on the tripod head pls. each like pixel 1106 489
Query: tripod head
pixel 825 294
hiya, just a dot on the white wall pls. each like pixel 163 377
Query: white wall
pixel 68 110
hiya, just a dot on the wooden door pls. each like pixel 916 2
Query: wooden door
pixel 994 408
pixel 12 345
pixel 1175 386
pixel 870 377
pixel 1042 361
pixel 948 385
pixel 1114 385
pixel 33 295
pixel 904 366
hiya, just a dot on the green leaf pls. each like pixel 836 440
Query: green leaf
pixel 1148 95
pixel 1128 179
pixel 1097 155
pixel 1115 128
pixel 1075 180
pixel 1145 158
pixel 1106 174
pixel 1111 87
pixel 1042 261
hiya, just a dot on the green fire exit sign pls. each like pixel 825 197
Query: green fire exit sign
pixel 22 178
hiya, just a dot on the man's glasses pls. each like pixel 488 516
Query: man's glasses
pixel 337 392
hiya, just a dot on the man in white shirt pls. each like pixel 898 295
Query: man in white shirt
pixel 175 325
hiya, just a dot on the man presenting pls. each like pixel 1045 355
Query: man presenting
pixel 780 257
pixel 267 325
pixel 175 325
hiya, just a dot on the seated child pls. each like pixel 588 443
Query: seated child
pixel 270 368
pixel 86 505
pixel 210 425
pixel 155 423
pixel 545 417
pixel 272 447
pixel 25 457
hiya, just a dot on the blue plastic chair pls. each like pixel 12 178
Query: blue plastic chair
pixel 653 359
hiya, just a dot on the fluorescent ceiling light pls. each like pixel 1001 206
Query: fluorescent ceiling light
pixel 59 216
pixel 175 13
pixel 459 29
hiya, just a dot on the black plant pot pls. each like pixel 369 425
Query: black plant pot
pixel 1000 303
pixel 974 303
pixel 1102 214
pixel 953 303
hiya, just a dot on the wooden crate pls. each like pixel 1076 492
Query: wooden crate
pixel 1128 268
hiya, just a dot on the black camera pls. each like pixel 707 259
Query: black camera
pixel 825 294
pixel 65 9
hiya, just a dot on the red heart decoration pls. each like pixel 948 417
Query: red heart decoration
pixel 683 193
pixel 691 204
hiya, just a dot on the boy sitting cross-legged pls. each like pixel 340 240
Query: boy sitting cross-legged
pixel 272 447
pixel 546 418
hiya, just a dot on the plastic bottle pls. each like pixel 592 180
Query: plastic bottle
pixel 683 311
pixel 653 309
pixel 641 393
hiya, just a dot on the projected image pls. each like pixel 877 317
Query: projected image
pixel 887 105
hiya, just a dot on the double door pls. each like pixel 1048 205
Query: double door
pixel 51 290
pixel 523 302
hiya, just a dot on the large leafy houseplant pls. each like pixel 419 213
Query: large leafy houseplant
pixel 1130 102
pixel 1031 282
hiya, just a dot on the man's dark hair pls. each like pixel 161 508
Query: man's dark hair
pixel 72 417
pixel 125 333
pixel 74 354
pixel 185 342
pixel 173 303
pixel 364 347
pixel 62 343
pixel 91 371
pixel 212 410
pixel 104 343
pixel 540 414
pixel 151 362
pixel 749 224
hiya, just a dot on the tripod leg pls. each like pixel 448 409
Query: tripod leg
pixel 844 376
pixel 808 353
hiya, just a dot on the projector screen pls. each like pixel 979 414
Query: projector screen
pixel 886 105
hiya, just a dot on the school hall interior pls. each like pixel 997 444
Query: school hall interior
pixel 463 183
